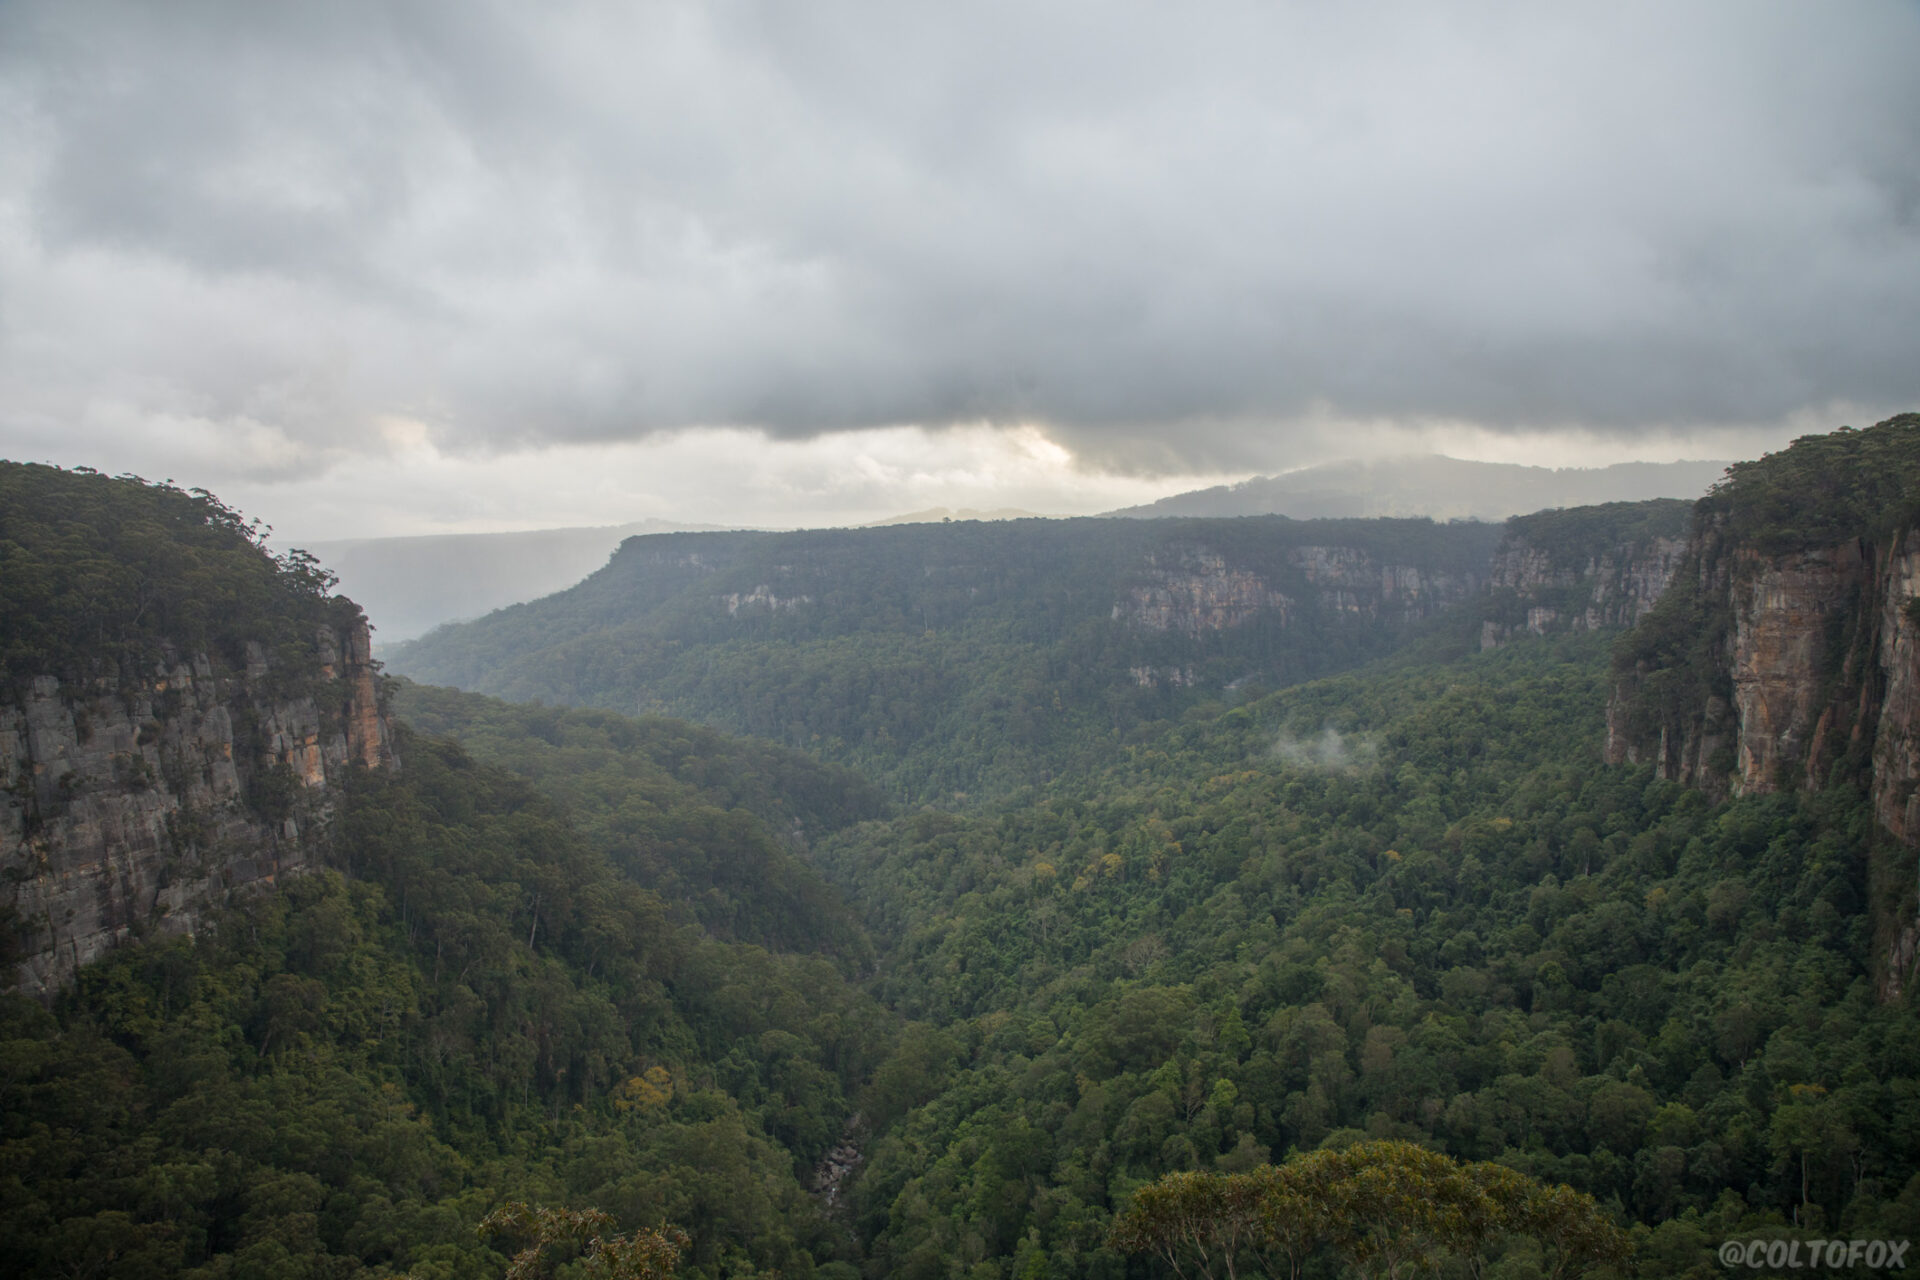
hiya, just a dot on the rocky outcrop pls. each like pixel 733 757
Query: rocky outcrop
pixel 1896 765
pixel 1349 580
pixel 830 1176
pixel 369 740
pixel 1781 659
pixel 761 597
pixel 1582 570
pixel 136 806
pixel 1620 584
pixel 1199 591
pixel 1896 741
pixel 1802 661
pixel 1793 670
pixel 1163 677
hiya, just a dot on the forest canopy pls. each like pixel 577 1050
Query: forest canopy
pixel 96 571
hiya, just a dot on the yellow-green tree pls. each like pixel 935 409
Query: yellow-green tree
pixel 547 1236
pixel 1202 1221
pixel 1388 1209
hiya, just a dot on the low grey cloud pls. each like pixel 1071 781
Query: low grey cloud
pixel 1171 235
pixel 1331 750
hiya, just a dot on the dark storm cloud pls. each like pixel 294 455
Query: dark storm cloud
pixel 581 221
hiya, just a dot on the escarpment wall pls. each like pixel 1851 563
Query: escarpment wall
pixel 1801 662
pixel 1618 586
pixel 137 805
pixel 1200 590
pixel 1792 671
pixel 1896 739
pixel 1582 570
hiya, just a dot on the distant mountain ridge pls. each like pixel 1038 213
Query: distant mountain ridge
pixel 950 657
pixel 410 585
pixel 1436 486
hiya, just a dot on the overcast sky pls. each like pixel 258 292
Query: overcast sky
pixel 400 267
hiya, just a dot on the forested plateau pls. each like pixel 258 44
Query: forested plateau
pixel 1076 880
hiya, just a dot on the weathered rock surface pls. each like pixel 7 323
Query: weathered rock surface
pixel 1814 657
pixel 841 1163
pixel 1351 581
pixel 762 597
pixel 1780 652
pixel 136 807
pixel 1610 587
pixel 1808 663
pixel 1896 743
pixel 1200 591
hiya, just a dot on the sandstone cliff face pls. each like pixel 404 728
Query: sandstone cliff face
pixel 1807 662
pixel 1896 743
pixel 1610 588
pixel 1896 751
pixel 1782 652
pixel 1200 591
pixel 135 808
pixel 1348 580
pixel 1805 658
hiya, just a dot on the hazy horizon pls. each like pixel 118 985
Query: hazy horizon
pixel 412 583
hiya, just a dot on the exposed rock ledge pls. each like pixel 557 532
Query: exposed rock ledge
pixel 138 807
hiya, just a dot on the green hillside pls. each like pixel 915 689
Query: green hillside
pixel 629 994
pixel 714 823
pixel 1403 905
pixel 477 1005
pixel 98 572
pixel 964 658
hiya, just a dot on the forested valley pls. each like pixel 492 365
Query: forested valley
pixel 1322 882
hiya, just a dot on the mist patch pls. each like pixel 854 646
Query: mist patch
pixel 1328 750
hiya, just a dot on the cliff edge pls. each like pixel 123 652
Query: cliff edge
pixel 178 714
pixel 1786 655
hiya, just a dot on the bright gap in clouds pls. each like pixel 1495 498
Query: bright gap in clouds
pixel 741 478
pixel 403 482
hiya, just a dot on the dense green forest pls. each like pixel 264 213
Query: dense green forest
pixel 1400 905
pixel 630 996
pixel 476 1005
pixel 1846 484
pixel 1396 927
pixel 98 572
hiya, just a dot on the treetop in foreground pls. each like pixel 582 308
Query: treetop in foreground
pixel 1385 1208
